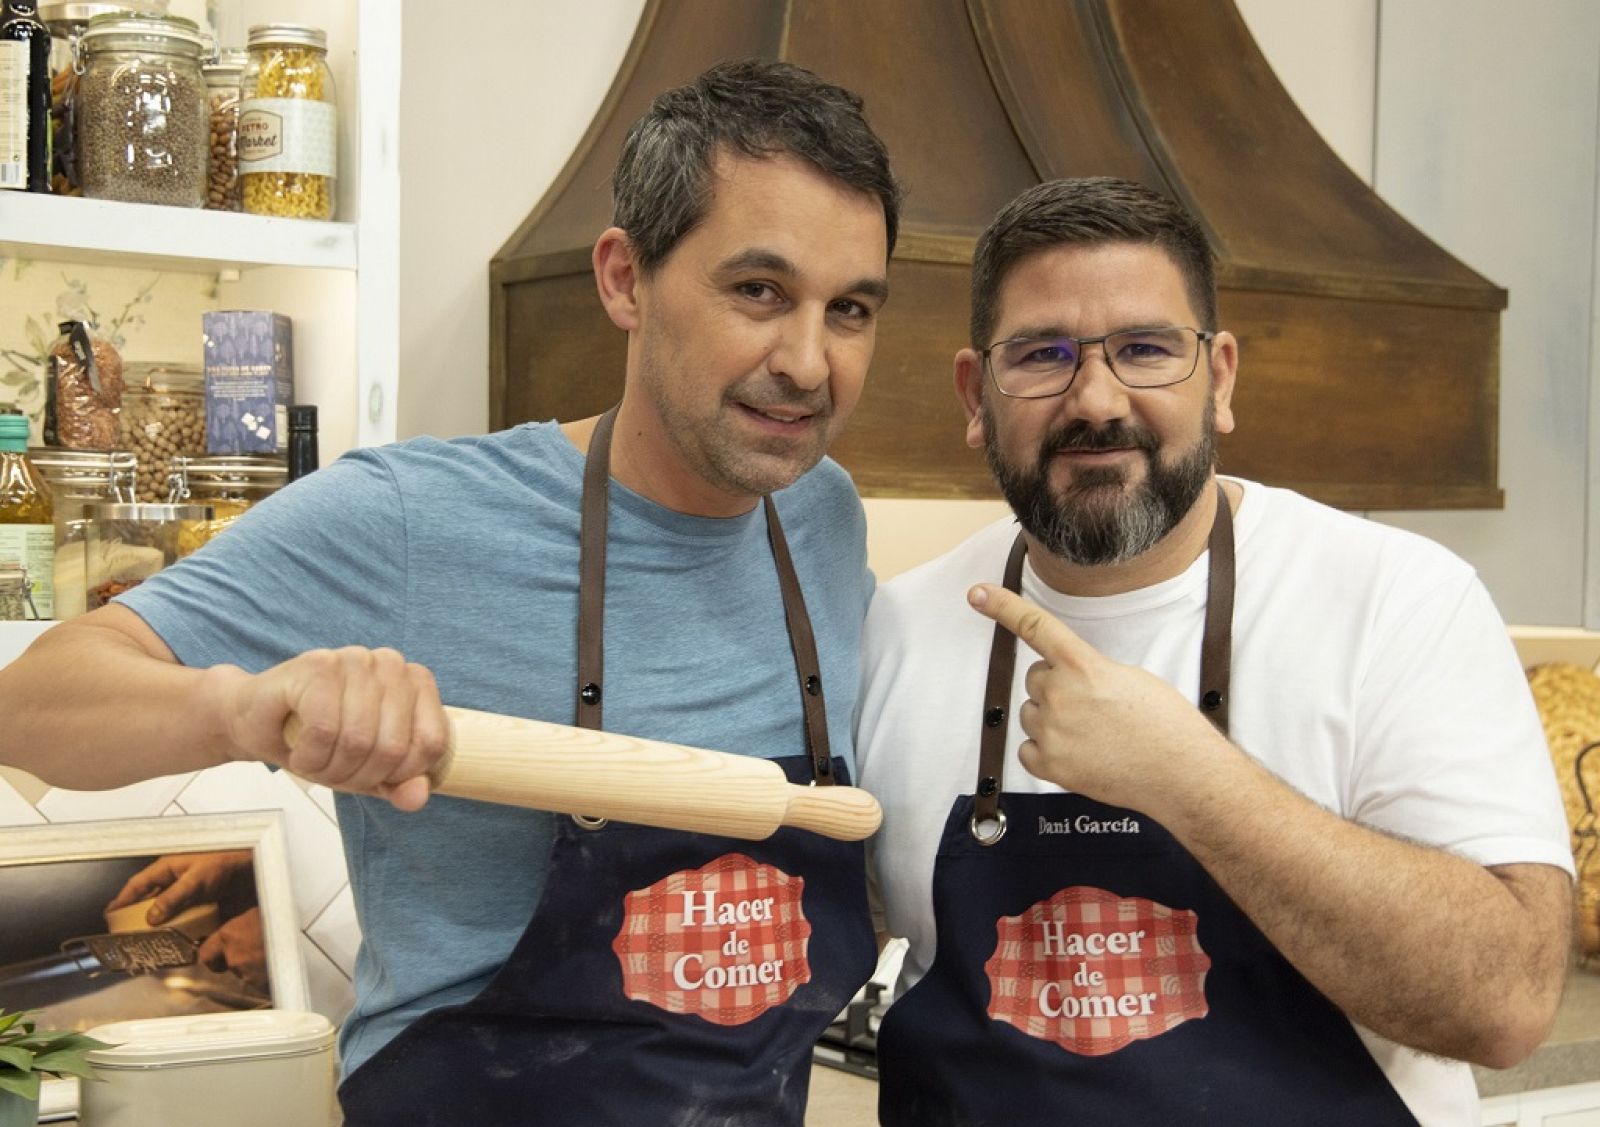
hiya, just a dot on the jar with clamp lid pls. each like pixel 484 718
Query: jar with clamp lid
pixel 77 478
pixel 288 123
pixel 142 122
pixel 126 544
pixel 163 417
pixel 16 594
pixel 229 484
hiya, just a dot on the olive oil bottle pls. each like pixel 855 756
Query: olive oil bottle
pixel 27 517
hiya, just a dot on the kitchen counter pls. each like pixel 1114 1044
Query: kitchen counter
pixel 1570 1055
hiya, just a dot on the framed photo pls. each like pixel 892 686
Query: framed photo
pixel 146 917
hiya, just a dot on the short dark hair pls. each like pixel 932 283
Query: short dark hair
pixel 1088 211
pixel 662 187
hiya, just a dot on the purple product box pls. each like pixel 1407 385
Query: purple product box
pixel 249 381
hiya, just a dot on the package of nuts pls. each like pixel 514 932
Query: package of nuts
pixel 83 398
pixel 163 417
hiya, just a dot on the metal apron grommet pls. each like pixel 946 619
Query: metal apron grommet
pixel 999 821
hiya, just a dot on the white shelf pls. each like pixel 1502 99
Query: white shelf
pixel 103 232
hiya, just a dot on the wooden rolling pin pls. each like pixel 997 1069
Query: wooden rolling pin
pixel 569 770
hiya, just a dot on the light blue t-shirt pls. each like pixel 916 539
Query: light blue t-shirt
pixel 463 556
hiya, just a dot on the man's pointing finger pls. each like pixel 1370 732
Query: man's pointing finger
pixel 1043 632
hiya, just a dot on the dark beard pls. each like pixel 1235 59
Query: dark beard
pixel 1094 524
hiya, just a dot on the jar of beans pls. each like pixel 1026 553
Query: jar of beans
pixel 288 123
pixel 141 108
pixel 222 103
pixel 163 417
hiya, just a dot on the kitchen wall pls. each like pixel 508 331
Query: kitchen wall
pixel 1476 119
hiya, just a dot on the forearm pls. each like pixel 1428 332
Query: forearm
pixel 93 705
pixel 1421 946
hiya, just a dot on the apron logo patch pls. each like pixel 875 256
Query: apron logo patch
pixel 725 942
pixel 1093 971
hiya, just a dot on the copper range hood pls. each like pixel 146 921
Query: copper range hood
pixel 1370 357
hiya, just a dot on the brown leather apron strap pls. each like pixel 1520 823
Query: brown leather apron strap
pixel 592 596
pixel 804 644
pixel 997 701
pixel 592 574
pixel 1216 644
pixel 1216 660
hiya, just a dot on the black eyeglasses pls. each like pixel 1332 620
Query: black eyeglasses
pixel 1039 367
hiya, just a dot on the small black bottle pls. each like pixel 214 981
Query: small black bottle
pixel 302 440
pixel 24 97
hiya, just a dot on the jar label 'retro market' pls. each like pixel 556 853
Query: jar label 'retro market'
pixel 288 135
pixel 725 942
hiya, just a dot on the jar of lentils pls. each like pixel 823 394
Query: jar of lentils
pixel 141 109
pixel 288 123
pixel 222 104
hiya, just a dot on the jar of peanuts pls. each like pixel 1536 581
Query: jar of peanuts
pixel 288 123
pixel 222 103
pixel 163 416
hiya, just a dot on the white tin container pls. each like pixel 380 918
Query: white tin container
pixel 259 1068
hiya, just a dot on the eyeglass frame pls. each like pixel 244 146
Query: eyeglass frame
pixel 1202 336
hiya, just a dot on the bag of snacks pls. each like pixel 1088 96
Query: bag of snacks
pixel 84 391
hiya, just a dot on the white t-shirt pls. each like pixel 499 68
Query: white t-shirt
pixel 1371 672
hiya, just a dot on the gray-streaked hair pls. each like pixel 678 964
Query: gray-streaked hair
pixel 1088 211
pixel 662 187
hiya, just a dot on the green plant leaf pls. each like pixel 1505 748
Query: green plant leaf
pixel 64 1062
pixel 16 1057
pixel 8 1020
pixel 24 1084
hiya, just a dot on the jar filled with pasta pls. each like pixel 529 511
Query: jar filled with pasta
pixel 227 484
pixel 288 123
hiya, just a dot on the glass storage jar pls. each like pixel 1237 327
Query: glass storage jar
pixel 222 107
pixel 163 416
pixel 142 122
pixel 229 484
pixel 78 478
pixel 67 21
pixel 16 594
pixel 126 544
pixel 288 123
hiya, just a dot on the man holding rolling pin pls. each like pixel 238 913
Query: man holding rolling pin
pixel 1259 826
pixel 689 564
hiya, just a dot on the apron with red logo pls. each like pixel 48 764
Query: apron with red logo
pixel 1089 970
pixel 665 977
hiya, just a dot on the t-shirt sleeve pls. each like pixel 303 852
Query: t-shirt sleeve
pixel 321 563
pixel 1449 747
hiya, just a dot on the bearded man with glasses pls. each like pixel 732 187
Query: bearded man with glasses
pixel 1259 827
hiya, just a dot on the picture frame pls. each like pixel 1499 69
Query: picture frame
pixel 234 945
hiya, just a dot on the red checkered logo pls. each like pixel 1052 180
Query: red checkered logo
pixel 726 941
pixel 1093 971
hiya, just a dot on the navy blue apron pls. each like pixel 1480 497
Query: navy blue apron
pixel 1089 970
pixel 665 977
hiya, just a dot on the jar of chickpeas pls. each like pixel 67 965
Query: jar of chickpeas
pixel 288 123
pixel 163 417
pixel 222 77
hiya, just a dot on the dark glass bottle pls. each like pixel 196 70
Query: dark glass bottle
pixel 24 96
pixel 302 440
